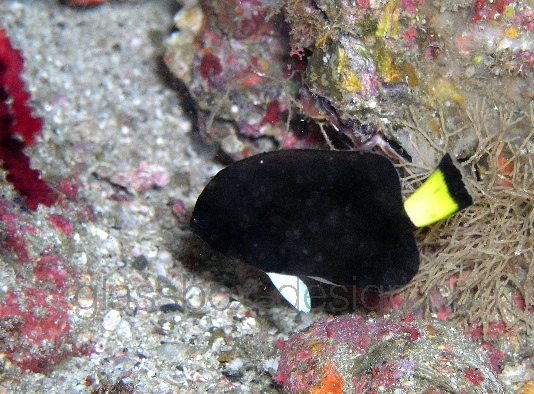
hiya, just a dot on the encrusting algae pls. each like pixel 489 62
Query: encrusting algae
pixel 384 355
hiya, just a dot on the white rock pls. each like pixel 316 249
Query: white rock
pixel 111 320
pixel 124 330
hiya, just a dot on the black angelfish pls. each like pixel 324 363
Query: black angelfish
pixel 335 216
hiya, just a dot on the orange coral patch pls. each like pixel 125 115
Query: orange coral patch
pixel 331 383
pixel 505 169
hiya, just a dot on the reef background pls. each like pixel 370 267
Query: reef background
pixel 110 289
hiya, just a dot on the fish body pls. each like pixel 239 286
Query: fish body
pixel 332 215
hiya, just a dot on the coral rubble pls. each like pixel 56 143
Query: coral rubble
pixel 355 354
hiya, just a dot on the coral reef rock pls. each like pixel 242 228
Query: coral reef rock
pixel 354 354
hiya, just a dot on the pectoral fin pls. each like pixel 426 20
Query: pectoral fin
pixel 326 282
pixel 293 289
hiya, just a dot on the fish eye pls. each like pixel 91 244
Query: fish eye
pixel 199 222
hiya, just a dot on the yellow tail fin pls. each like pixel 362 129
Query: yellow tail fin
pixel 441 195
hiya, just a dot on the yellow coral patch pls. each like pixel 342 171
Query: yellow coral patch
pixel 511 32
pixel 411 75
pixel 317 347
pixel 527 388
pixel 509 11
pixel 388 24
pixel 349 80
pixel 386 65
pixel 443 90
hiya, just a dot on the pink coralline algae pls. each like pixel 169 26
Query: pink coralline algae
pixel 355 354
pixel 142 178
pixel 33 328
pixel 36 303
pixel 18 129
pixel 61 223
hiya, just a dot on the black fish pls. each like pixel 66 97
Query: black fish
pixel 336 216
